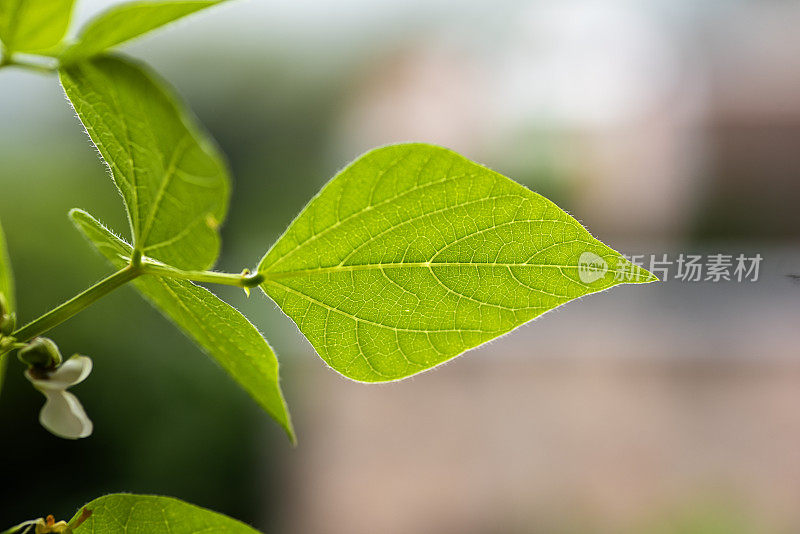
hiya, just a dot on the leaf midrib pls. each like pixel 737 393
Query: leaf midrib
pixel 425 264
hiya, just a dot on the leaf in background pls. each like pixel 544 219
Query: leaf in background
pixel 413 254
pixel 218 328
pixel 6 274
pixel 7 289
pixel 33 25
pixel 127 21
pixel 171 175
pixel 123 512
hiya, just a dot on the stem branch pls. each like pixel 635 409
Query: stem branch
pixel 244 279
pixel 36 67
pixel 135 269
pixel 9 59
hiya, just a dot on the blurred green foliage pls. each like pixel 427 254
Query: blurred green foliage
pixel 177 426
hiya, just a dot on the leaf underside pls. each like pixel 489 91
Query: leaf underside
pixel 33 25
pixel 218 328
pixel 124 22
pixel 146 514
pixel 413 254
pixel 172 177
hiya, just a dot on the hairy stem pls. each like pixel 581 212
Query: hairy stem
pixel 135 269
pixel 245 279
pixel 60 314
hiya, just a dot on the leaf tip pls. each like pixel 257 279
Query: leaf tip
pixel 650 278
pixel 632 273
pixel 76 213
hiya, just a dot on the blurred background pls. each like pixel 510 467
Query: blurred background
pixel 666 127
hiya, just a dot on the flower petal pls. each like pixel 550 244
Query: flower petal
pixel 71 372
pixel 64 416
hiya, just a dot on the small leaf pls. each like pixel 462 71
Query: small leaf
pixel 6 274
pixel 121 512
pixel 218 328
pixel 33 25
pixel 172 177
pixel 7 290
pixel 127 21
pixel 413 254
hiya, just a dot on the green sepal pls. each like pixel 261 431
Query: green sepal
pixel 41 353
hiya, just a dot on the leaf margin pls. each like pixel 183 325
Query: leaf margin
pixel 82 48
pixel 84 519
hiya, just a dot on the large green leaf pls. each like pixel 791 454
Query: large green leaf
pixel 218 328
pixel 33 25
pixel 127 21
pixel 145 514
pixel 171 175
pixel 7 290
pixel 413 254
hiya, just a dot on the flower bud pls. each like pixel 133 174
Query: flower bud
pixel 7 317
pixel 41 353
pixel 8 322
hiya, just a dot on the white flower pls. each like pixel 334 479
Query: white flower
pixel 63 414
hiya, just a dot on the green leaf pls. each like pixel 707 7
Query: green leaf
pixel 413 254
pixel 33 25
pixel 218 328
pixel 128 21
pixel 171 175
pixel 6 274
pixel 7 290
pixel 122 512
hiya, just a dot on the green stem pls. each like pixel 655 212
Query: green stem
pixel 9 346
pixel 8 60
pixel 76 304
pixel 244 279
pixel 44 69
